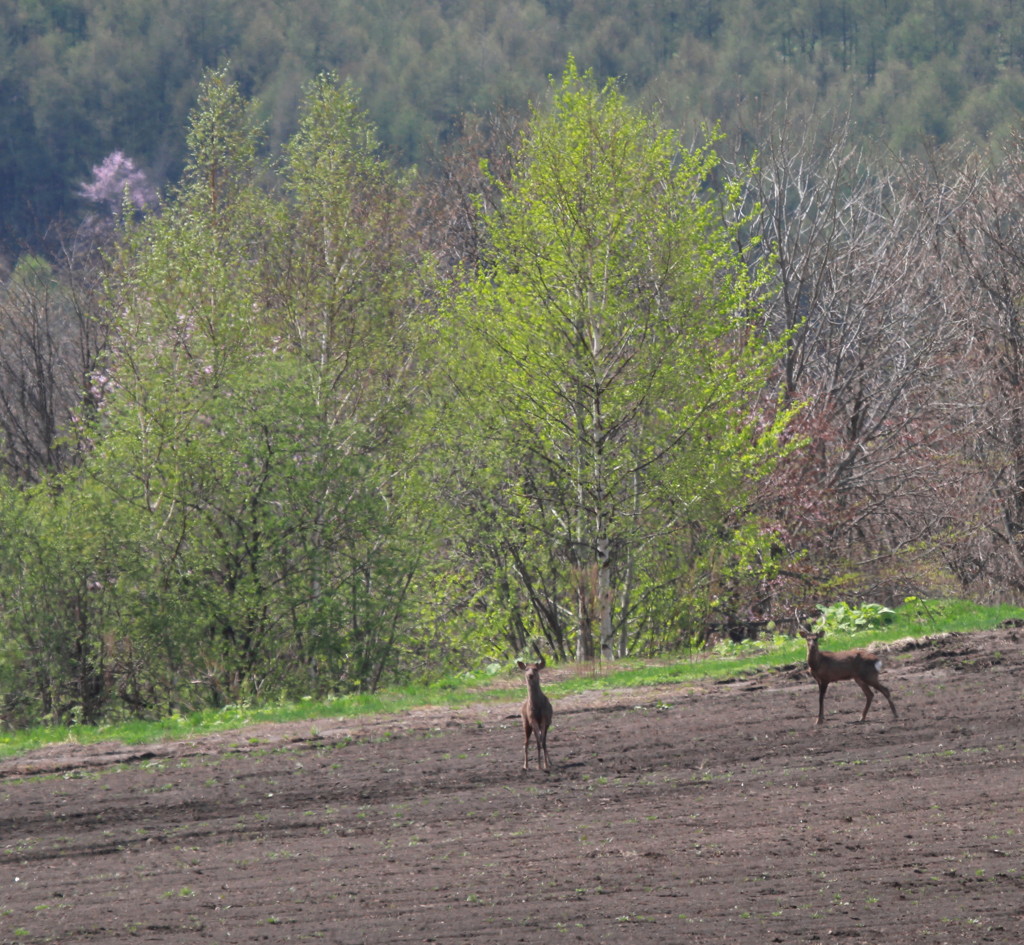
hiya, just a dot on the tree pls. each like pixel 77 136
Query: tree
pixel 606 360
pixel 260 389
pixel 871 341
pixel 49 364
pixel 972 203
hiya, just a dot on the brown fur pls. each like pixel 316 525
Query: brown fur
pixel 859 665
pixel 537 714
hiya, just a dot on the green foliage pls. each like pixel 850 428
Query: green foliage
pixel 743 648
pixel 490 684
pixel 243 522
pixel 64 548
pixel 949 616
pixel 222 142
pixel 606 360
pixel 842 618
pixel 84 79
pixel 308 469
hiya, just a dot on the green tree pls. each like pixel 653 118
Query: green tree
pixel 260 389
pixel 350 299
pixel 607 360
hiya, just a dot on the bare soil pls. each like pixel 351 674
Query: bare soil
pixel 716 813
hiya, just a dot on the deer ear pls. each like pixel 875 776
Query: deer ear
pixel 520 664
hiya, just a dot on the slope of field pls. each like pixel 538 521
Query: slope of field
pixel 691 814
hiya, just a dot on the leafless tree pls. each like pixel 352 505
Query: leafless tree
pixel 872 337
pixel 462 188
pixel 50 343
pixel 974 203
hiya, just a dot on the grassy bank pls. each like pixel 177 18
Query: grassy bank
pixel 914 619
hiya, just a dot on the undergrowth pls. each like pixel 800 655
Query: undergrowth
pixel 845 627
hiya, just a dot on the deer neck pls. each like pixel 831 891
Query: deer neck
pixel 533 693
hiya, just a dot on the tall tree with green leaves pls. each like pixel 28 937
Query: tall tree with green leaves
pixel 607 360
pixel 260 390
pixel 349 295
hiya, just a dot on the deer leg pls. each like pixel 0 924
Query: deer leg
pixel 542 743
pixel 526 745
pixel 868 695
pixel 822 686
pixel 885 692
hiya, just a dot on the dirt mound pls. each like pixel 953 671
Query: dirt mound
pixel 715 813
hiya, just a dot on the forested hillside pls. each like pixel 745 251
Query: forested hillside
pixel 283 413
pixel 80 79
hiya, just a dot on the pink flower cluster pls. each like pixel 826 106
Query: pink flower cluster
pixel 115 179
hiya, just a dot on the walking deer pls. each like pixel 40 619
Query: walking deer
pixel 859 665
pixel 536 712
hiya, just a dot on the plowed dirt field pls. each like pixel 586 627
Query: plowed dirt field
pixel 715 813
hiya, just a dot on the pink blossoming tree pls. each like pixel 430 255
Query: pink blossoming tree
pixel 117 182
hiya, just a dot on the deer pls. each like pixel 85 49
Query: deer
pixel 536 712
pixel 859 665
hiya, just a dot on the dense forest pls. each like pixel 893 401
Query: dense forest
pixel 285 411
pixel 80 80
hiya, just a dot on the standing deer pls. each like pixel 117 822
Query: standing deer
pixel 859 665
pixel 536 712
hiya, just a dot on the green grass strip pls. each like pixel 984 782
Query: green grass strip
pixel 914 619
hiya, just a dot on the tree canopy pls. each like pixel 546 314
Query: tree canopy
pixel 605 364
pixel 299 440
